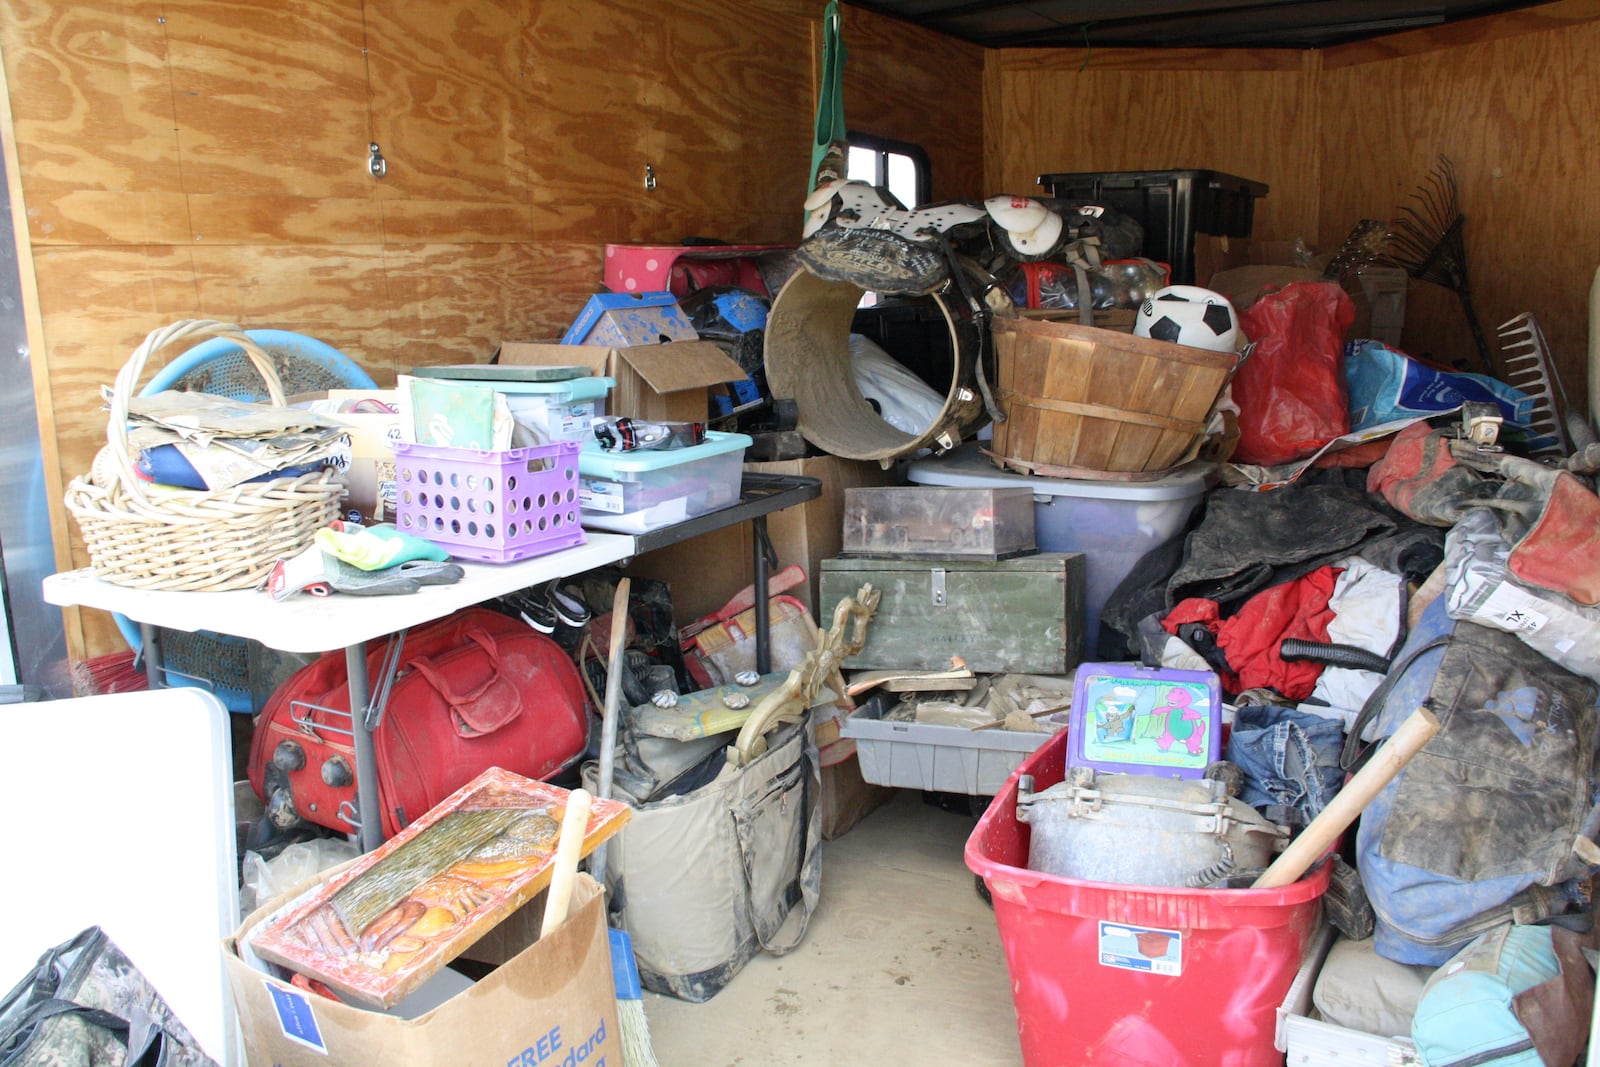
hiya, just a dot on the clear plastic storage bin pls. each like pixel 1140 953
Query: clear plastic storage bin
pixel 1113 523
pixel 939 522
pixel 634 492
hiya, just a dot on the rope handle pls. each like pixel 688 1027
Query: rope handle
pixel 123 391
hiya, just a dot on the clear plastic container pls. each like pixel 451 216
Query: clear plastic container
pixel 1113 523
pixel 635 492
pixel 940 522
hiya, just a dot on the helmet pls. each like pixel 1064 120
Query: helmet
pixel 1192 316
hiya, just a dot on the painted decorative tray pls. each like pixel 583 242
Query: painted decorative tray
pixel 382 927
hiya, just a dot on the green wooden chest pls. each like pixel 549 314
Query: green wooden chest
pixel 1022 614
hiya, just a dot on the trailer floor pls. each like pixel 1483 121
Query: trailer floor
pixel 901 967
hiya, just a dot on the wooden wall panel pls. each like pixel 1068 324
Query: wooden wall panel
pixel 1248 114
pixel 455 304
pixel 908 84
pixel 338 295
pixel 97 305
pixel 270 96
pixel 446 98
pixel 1515 115
pixel 90 94
pixel 716 98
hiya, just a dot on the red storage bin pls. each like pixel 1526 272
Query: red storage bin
pixel 1107 975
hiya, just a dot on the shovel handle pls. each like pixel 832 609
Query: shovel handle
pixel 1320 834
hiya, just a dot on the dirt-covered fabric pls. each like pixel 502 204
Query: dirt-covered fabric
pixel 86 1004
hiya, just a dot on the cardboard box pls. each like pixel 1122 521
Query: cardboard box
pixel 550 1005
pixel 617 319
pixel 705 572
pixel 370 476
pixel 847 798
pixel 662 383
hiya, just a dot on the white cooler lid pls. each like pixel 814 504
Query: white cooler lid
pixel 966 466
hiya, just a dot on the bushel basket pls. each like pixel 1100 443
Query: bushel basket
pixel 157 537
pixel 1081 400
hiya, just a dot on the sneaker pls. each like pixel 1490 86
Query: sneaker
pixel 568 606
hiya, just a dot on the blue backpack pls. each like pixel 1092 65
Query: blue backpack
pixel 1519 996
pixel 1494 821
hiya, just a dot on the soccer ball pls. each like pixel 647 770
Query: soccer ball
pixel 1192 316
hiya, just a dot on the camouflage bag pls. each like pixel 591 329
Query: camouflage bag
pixel 87 1005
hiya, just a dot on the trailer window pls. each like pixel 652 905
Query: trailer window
pixel 899 166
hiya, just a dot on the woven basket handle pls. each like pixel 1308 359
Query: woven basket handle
pixel 123 391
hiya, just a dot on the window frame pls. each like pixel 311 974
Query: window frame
pixel 884 147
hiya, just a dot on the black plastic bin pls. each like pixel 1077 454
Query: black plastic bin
pixel 1172 205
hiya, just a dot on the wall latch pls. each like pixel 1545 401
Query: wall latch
pixel 375 161
pixel 936 577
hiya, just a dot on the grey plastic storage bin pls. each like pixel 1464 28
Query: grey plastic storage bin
pixel 948 759
pixel 1113 523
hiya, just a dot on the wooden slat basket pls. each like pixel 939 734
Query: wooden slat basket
pixel 1081 401
pixel 155 537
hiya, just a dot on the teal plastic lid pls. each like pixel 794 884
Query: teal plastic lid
pixel 598 463
pixel 502 372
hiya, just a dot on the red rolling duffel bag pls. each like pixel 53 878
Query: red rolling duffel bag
pixel 474 690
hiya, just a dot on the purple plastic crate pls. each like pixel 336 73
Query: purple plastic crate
pixel 491 506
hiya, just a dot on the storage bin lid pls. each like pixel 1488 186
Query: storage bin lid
pixel 597 462
pixel 966 466
pixel 591 388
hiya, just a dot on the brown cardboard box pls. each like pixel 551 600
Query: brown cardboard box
pixel 847 798
pixel 551 1005
pixel 708 570
pixel 661 383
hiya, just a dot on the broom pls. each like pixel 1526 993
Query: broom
pixel 636 1048
pixel 115 672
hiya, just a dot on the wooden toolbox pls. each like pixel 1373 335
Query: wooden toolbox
pixel 1023 614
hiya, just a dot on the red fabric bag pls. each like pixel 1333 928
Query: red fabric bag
pixel 1291 389
pixel 474 690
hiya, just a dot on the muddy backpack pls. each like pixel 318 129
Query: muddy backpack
pixel 1495 820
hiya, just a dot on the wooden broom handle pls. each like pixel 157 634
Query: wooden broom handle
pixel 564 870
pixel 1320 834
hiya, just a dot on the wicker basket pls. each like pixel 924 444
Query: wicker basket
pixel 1081 400
pixel 163 538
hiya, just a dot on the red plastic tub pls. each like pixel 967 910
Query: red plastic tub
pixel 1107 975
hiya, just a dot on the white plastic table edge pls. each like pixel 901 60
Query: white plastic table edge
pixel 308 624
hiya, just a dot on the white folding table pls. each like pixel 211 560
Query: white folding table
pixel 322 624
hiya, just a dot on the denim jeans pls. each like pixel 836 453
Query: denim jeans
pixel 1289 757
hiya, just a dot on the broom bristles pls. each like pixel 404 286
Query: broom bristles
pixel 118 672
pixel 636 1048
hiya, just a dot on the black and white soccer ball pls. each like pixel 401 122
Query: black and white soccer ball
pixel 1192 316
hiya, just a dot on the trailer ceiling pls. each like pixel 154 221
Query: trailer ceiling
pixel 1178 23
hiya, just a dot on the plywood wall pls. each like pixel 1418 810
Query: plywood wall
pixel 208 159
pixel 1250 114
pixel 1346 134
pixel 1512 102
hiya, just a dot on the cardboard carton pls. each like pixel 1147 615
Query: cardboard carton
pixel 847 798
pixel 552 1004
pixel 661 383
pixel 630 319
pixel 370 476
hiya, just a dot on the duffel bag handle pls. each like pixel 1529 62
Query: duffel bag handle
pixel 487 706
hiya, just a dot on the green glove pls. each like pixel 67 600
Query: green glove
pixel 373 548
